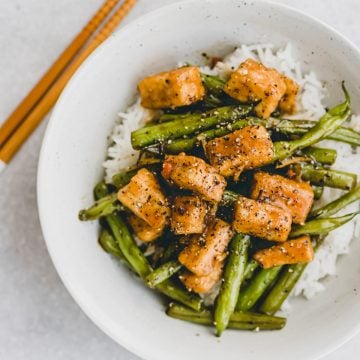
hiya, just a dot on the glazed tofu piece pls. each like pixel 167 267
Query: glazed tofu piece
pixel 262 220
pixel 288 101
pixel 202 284
pixel 171 89
pixel 203 251
pixel 143 230
pixel 295 196
pixel 193 173
pixel 294 251
pixel 253 81
pixel 145 199
pixel 244 149
pixel 188 215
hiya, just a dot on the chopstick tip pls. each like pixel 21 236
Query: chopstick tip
pixel 2 166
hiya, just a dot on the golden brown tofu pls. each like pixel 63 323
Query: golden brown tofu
pixel 262 220
pixel 202 284
pixel 203 251
pixel 144 198
pixel 193 173
pixel 143 230
pixel 296 196
pixel 288 101
pixel 252 81
pixel 171 89
pixel 244 149
pixel 294 251
pixel 188 215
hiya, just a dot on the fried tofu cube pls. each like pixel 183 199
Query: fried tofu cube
pixel 188 215
pixel 203 251
pixel 295 196
pixel 193 173
pixel 143 230
pixel 244 149
pixel 252 82
pixel 294 251
pixel 202 284
pixel 261 219
pixel 171 89
pixel 288 101
pixel 143 196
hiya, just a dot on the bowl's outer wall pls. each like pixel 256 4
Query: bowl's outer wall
pixel 75 146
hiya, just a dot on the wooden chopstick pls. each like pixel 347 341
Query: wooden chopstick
pixel 45 104
pixel 32 98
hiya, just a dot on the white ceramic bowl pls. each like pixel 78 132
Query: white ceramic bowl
pixel 74 148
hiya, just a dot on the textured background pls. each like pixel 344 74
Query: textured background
pixel 38 318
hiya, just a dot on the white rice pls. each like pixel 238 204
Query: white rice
pixel 310 106
pixel 120 154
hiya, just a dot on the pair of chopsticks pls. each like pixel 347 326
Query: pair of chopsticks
pixel 29 113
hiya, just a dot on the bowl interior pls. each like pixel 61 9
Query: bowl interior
pixel 74 149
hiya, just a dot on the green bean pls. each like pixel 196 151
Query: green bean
pixel 169 252
pixel 162 273
pixel 168 117
pixel 109 245
pixel 180 145
pixel 176 293
pixel 336 205
pixel 210 101
pixel 256 288
pixel 292 127
pixel 186 126
pixel 238 320
pixel 229 198
pixel 128 246
pixel 103 207
pixel 122 178
pixel 213 84
pixel 230 287
pixel 328 177
pixel 321 226
pixel 250 268
pixel 328 123
pixel 321 155
pixel 299 127
pixel 100 190
pixel 214 91
pixel 346 135
pixel 106 240
pixel 318 191
pixel 287 280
